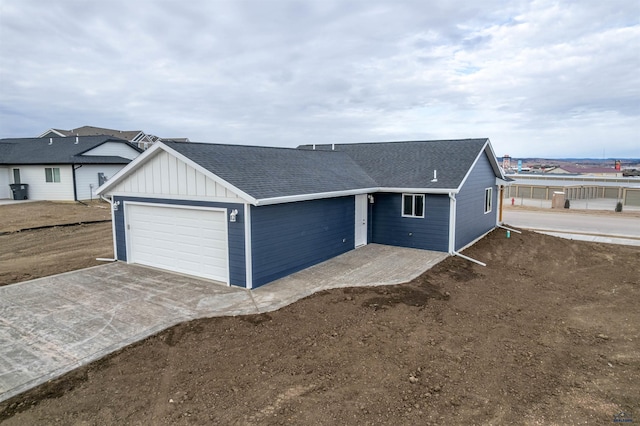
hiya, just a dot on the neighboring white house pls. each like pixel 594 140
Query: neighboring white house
pixel 137 137
pixel 67 168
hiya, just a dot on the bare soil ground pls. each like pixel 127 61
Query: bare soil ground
pixel 547 333
pixel 37 253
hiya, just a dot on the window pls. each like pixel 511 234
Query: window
pixel 488 199
pixel 16 176
pixel 412 205
pixel 52 174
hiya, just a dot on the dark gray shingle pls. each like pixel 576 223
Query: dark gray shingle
pixel 266 172
pixel 57 150
pixel 411 164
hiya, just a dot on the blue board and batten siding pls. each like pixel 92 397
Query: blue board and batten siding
pixel 235 230
pixel 286 238
pixel 428 233
pixel 471 221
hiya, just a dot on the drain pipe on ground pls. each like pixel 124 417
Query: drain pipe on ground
pixel 510 229
pixel 107 259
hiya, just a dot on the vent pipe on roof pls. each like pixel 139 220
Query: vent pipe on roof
pixel 313 147
pixel 50 141
pixel 435 176
pixel 77 140
pixel 333 147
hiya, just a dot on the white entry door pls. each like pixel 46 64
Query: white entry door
pixel 361 220
pixel 187 240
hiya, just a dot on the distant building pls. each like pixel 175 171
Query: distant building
pixel 590 171
pixel 137 137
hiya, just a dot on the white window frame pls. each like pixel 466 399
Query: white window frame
pixel 488 200
pixel 413 205
pixel 52 176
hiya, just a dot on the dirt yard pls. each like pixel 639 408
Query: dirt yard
pixel 26 255
pixel 547 333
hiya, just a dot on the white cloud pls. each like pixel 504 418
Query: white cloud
pixel 554 78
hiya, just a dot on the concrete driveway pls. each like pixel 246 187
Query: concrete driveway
pixel 53 325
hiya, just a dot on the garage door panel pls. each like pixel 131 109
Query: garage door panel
pixel 191 241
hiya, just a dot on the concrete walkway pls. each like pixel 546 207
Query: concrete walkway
pixel 53 325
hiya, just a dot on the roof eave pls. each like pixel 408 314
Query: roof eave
pixel 344 193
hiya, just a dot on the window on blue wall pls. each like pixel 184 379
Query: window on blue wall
pixel 488 198
pixel 413 205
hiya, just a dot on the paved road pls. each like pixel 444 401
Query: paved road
pixel 623 226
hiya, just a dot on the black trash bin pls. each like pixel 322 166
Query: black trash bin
pixel 20 191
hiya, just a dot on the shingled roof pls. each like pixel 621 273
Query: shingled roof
pixel 411 164
pixel 266 172
pixel 58 150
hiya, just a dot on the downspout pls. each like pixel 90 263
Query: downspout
pixel 452 223
pixel 501 200
pixel 452 231
pixel 75 189
pixel 113 232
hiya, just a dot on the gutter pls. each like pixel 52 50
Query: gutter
pixel 113 230
pixel 75 189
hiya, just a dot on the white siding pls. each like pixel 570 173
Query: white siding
pixel 114 148
pixel 166 175
pixel 40 189
pixel 5 180
pixel 87 175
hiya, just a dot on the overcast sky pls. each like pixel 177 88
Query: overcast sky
pixel 539 78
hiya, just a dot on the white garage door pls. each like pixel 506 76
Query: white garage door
pixel 190 241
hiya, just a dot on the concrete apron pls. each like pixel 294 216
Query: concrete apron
pixel 52 325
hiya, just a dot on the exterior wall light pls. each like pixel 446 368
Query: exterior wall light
pixel 232 215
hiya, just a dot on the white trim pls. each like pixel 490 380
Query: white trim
pixel 113 227
pixel 54 131
pixel 490 189
pixel 320 195
pixel 420 190
pixel 413 206
pixel 177 197
pixel 175 206
pixel 147 155
pixel 452 223
pixel 126 170
pixel 307 197
pixel 248 258
pixel 473 165
pixel 493 159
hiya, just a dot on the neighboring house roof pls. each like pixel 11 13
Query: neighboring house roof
pixel 58 150
pixel 267 174
pixel 587 170
pixel 129 135
pixel 411 164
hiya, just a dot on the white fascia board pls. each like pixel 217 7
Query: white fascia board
pixel 493 159
pixel 473 165
pixel 246 197
pixel 208 199
pixel 321 195
pixel 420 190
pixel 126 170
pixel 317 196
pixel 504 182
pixel 54 131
